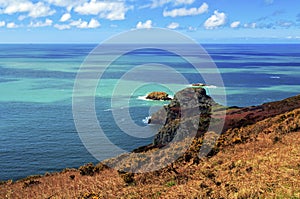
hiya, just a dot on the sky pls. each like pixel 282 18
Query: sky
pixel 93 21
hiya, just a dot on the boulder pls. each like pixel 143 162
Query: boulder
pixel 158 96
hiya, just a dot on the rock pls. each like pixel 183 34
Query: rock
pixel 158 96
pixel 199 84
pixel 189 109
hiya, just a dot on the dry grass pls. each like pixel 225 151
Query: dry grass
pixel 263 163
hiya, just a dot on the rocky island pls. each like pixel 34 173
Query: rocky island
pixel 158 95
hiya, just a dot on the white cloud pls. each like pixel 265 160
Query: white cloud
pixel 11 25
pixel 192 29
pixel 250 25
pixel 216 20
pixel 235 24
pixel 147 24
pixel 94 24
pixel 47 22
pixel 62 26
pixel 34 10
pixel 160 3
pixel 173 25
pixel 69 4
pixel 2 23
pixel 22 17
pixel 65 17
pixel 40 10
pixel 84 24
pixel 105 9
pixel 185 2
pixel 186 12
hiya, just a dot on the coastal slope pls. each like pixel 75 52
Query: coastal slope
pixel 255 158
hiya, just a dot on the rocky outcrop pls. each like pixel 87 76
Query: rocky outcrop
pixel 191 110
pixel 199 84
pixel 188 114
pixel 158 96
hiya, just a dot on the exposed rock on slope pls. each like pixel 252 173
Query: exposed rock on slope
pixel 190 109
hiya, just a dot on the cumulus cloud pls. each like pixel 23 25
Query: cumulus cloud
pixel 36 10
pixel 235 24
pixel 47 22
pixel 84 24
pixel 173 25
pixel 186 12
pixel 65 17
pixel 216 20
pixel 2 23
pixel 12 25
pixel 62 26
pixel 147 24
pixel 94 24
pixel 105 9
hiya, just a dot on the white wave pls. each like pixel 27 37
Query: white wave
pixel 146 120
pixel 204 86
pixel 210 86
pixel 143 98
pixel 275 77
pixel 113 109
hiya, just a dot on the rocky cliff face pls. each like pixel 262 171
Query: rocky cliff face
pixel 188 114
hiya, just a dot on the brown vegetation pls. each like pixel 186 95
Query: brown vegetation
pixel 254 161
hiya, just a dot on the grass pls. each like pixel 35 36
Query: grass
pixel 255 161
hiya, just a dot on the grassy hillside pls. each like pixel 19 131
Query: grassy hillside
pixel 257 160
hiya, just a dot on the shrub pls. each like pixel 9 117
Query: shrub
pixel 128 178
pixel 87 169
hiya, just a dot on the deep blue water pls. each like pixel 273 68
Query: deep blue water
pixel 37 130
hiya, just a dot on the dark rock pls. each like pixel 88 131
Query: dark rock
pixel 199 84
pixel 188 114
pixel 158 96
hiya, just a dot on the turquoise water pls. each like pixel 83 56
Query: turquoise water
pixel 37 131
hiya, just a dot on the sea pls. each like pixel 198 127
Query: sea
pixel 37 127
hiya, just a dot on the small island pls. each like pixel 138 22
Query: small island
pixel 198 85
pixel 158 95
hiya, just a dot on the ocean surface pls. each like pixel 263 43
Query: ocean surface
pixel 37 130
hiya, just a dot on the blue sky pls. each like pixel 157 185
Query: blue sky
pixel 92 21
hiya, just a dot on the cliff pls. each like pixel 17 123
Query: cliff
pixel 189 108
pixel 197 107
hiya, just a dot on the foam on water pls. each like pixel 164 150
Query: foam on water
pixel 146 120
